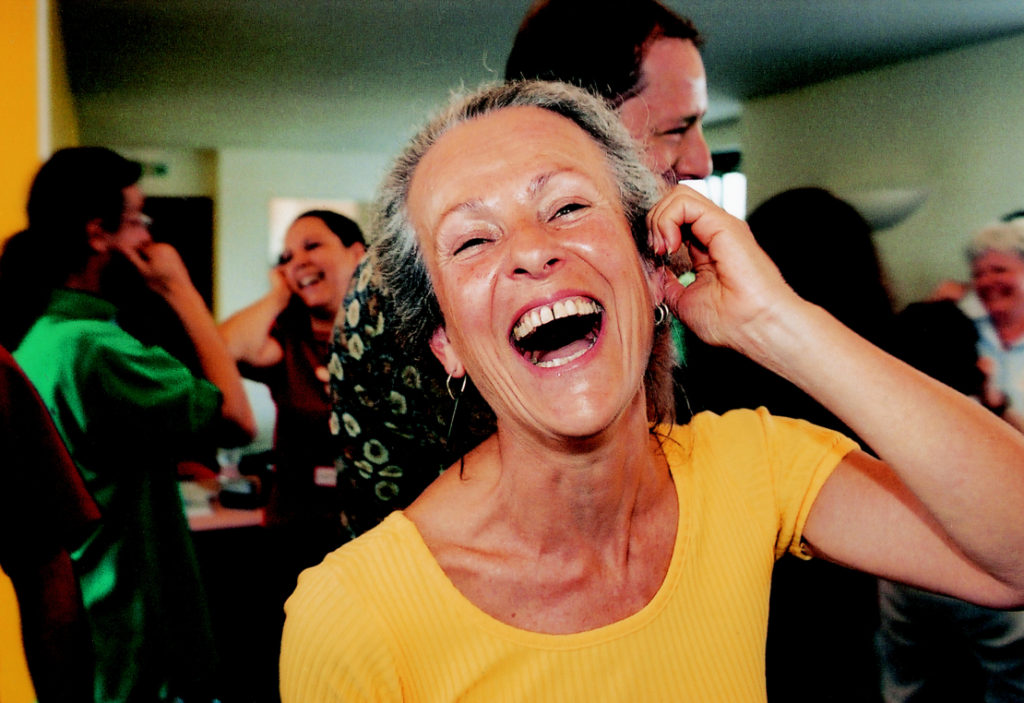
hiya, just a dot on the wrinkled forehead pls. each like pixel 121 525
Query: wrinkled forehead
pixel 472 159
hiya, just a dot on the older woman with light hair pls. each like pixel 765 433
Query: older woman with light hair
pixel 970 336
pixel 996 255
pixel 584 552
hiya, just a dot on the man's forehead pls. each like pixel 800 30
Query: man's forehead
pixel 672 73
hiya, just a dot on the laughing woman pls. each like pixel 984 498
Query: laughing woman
pixel 582 553
pixel 282 340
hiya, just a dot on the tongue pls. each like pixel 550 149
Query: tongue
pixel 564 352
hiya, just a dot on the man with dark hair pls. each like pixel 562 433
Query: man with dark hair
pixel 124 410
pixel 641 57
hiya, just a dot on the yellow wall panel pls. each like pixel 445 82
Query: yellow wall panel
pixel 15 685
pixel 19 117
pixel 19 140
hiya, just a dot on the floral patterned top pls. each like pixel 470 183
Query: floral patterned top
pixel 390 408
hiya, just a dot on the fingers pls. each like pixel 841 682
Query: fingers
pixel 684 216
pixel 136 255
pixel 987 365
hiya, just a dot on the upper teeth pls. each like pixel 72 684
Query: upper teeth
pixel 546 313
pixel 308 280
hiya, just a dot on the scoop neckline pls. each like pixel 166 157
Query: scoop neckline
pixel 472 613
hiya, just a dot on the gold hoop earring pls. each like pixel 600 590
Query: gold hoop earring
pixel 448 386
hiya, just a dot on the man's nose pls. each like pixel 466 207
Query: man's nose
pixel 692 158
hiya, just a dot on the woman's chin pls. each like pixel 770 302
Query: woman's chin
pixel 581 421
pixel 318 304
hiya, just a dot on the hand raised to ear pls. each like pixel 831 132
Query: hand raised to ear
pixel 736 286
pixel 160 266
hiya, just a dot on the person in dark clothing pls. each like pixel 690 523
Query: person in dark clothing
pixel 46 515
pixel 823 248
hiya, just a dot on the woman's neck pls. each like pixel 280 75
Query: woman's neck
pixel 551 540
pixel 321 322
pixel 580 488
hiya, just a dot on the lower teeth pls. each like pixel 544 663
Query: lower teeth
pixel 561 361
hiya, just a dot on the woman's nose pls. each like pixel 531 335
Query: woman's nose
pixel 298 258
pixel 533 251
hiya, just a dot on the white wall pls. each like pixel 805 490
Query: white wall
pixel 175 172
pixel 952 124
pixel 724 136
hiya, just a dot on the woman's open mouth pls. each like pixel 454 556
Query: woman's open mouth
pixel 310 279
pixel 555 334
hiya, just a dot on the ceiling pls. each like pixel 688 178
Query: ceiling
pixel 360 74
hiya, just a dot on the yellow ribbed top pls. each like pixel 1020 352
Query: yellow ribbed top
pixel 378 620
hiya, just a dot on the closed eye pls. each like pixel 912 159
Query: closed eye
pixel 470 243
pixel 568 209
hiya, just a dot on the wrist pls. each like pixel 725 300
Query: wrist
pixel 279 296
pixel 182 296
pixel 777 339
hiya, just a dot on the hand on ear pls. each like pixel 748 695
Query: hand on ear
pixel 103 242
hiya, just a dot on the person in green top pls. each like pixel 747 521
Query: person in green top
pixel 124 410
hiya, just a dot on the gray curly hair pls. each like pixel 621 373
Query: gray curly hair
pixel 396 247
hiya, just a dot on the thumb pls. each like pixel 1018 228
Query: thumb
pixel 675 295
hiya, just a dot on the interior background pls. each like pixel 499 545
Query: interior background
pixel 242 101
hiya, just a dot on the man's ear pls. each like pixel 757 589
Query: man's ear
pixel 99 239
pixel 445 353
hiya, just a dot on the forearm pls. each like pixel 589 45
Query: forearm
pixel 247 332
pixel 963 463
pixel 217 363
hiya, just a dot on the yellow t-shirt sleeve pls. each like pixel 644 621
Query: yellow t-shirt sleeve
pixel 780 463
pixel 805 457
pixel 333 647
